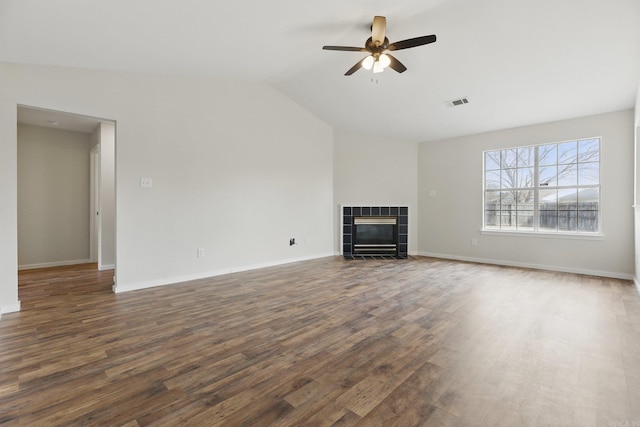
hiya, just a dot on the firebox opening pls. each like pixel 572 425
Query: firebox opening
pixel 375 235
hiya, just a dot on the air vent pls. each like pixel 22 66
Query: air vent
pixel 457 102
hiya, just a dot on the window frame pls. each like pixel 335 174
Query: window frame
pixel 536 188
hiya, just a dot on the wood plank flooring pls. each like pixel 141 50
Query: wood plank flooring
pixel 418 342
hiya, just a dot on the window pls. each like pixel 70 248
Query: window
pixel 548 188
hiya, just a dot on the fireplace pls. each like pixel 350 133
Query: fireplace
pixel 374 231
pixel 375 234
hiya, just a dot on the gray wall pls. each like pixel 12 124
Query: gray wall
pixel 53 196
pixel 372 171
pixel 451 218
pixel 238 169
pixel 637 189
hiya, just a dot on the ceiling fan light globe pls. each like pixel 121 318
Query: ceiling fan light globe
pixel 367 63
pixel 377 67
pixel 384 60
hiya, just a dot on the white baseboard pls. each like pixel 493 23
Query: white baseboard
pixel 613 275
pixel 180 279
pixel 106 267
pixel 635 282
pixel 10 308
pixel 53 264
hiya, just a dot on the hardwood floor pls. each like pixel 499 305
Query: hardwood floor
pixel 419 342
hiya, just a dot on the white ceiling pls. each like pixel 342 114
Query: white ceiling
pixel 519 62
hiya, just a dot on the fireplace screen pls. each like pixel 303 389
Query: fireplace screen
pixel 375 234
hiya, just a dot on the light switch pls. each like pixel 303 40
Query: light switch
pixel 146 182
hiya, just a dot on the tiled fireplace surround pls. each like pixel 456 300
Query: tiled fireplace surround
pixel 350 212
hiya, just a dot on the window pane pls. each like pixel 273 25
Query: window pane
pixel 507 200
pixel 492 200
pixel 526 157
pixel 589 150
pixel 588 221
pixel 588 209
pixel 492 160
pixel 548 176
pixel 525 177
pixel 525 200
pixel 588 199
pixel 507 220
pixel 588 173
pixel 509 158
pixel 568 199
pixel 567 221
pixel 492 180
pixel 508 177
pixel 507 210
pixel 492 219
pixel 548 200
pixel 548 220
pixel 568 152
pixel 548 154
pixel 567 175
pixel 525 220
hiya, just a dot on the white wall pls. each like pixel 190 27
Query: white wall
pixel 53 196
pixel 9 206
pixel 637 189
pixel 107 257
pixel 374 171
pixel 453 168
pixel 237 169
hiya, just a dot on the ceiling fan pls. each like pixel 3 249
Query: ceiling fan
pixel 378 47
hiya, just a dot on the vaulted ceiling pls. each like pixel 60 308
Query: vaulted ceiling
pixel 517 62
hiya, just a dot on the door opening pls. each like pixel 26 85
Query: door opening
pixel 100 243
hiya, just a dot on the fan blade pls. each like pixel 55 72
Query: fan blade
pixel 345 48
pixel 396 65
pixel 416 41
pixel 378 30
pixel 355 67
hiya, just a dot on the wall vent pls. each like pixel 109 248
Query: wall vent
pixel 457 102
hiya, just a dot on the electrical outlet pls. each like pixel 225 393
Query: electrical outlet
pixel 200 252
pixel 474 242
pixel 292 241
pixel 146 182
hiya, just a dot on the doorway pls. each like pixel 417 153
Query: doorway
pixel 97 243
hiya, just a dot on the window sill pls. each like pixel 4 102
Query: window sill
pixel 576 236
